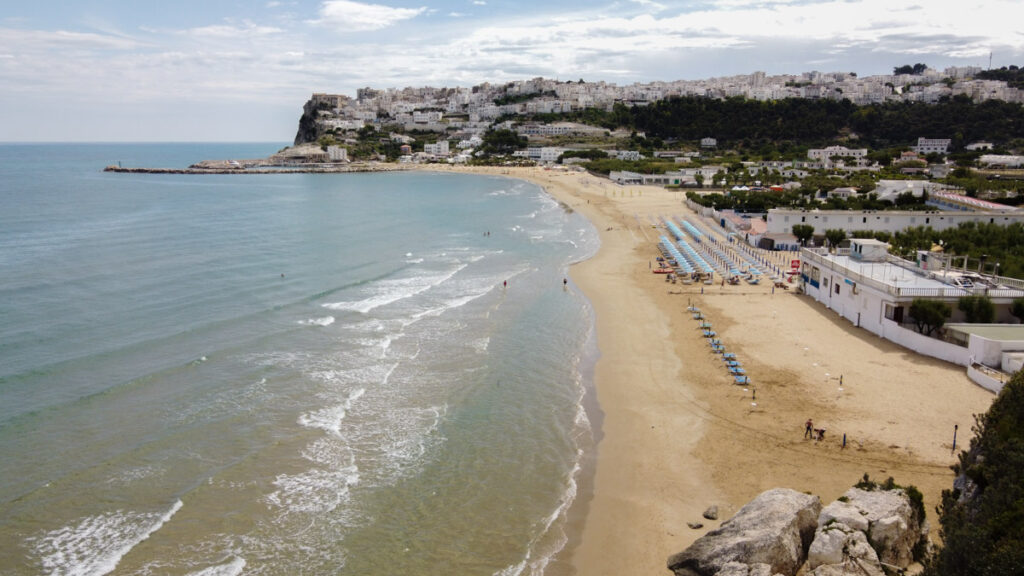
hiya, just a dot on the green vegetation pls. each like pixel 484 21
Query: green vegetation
pixel 803 233
pixel 977 309
pixel 607 165
pixel 835 236
pixel 502 142
pixel 517 98
pixel 779 128
pixel 916 69
pixel 929 315
pixel 590 153
pixel 983 529
pixel 985 245
pixel 1017 309
pixel 1013 76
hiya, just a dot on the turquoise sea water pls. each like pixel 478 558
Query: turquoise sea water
pixel 283 374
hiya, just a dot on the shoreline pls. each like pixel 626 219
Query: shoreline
pixel 678 435
pixel 674 435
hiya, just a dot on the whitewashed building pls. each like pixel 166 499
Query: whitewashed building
pixel 874 291
pixel 439 148
pixel 839 151
pixel 337 154
pixel 781 220
pixel 930 145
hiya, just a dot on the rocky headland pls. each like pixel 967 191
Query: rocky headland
pixel 868 529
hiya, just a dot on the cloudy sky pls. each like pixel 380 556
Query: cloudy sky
pixel 228 70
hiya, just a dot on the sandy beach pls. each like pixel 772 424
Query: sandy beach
pixel 678 435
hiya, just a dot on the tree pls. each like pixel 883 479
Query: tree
pixel 929 315
pixel 502 142
pixel 981 525
pixel 978 309
pixel 834 237
pixel 1017 309
pixel 803 233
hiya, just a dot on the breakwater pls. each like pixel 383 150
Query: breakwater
pixel 300 169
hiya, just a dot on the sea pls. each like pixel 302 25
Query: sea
pixel 214 375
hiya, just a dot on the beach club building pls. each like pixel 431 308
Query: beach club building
pixel 874 291
pixel 781 220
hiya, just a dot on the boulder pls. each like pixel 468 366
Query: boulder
pixel 711 513
pixel 734 569
pixel 893 527
pixel 839 545
pixel 741 569
pixel 775 528
pixel 844 513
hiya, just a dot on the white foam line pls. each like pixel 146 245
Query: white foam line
pixel 325 321
pixel 232 568
pixel 93 547
pixel 402 292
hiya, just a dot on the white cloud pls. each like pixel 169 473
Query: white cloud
pixel 33 40
pixel 348 16
pixel 246 30
pixel 479 3
pixel 650 4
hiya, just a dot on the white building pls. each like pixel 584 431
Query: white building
pixel 1001 160
pixel 337 154
pixel 781 220
pixel 708 143
pixel 874 291
pixel 550 154
pixel 930 145
pixel 821 154
pixel 439 148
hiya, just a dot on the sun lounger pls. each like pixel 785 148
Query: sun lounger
pixel 729 356
pixel 742 379
pixel 710 333
pixel 737 371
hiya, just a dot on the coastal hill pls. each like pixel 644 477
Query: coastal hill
pixel 807 107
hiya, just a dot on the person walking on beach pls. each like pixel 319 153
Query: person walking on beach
pixel 809 429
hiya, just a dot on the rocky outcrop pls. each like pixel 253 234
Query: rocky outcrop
pixel 838 547
pixel 774 529
pixel 865 529
pixel 309 129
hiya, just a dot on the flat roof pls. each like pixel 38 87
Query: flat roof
pixel 999 332
pixel 887 273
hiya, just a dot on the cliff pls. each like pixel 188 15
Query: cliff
pixel 309 129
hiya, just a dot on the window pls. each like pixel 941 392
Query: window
pixel 837 287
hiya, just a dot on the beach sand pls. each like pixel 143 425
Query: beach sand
pixel 678 435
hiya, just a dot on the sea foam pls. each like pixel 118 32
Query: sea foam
pixel 232 568
pixel 95 545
